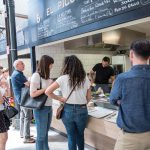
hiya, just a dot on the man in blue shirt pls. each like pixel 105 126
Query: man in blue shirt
pixel 131 92
pixel 18 81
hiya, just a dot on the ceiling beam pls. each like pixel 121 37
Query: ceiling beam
pixel 2 28
pixel 19 15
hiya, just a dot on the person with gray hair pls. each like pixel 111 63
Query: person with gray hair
pixel 18 81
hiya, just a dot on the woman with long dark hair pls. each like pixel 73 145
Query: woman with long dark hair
pixel 42 116
pixel 75 113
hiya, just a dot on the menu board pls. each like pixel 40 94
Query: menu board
pixel 51 17
pixel 2 45
pixel 20 38
pixel 51 20
pixel 23 38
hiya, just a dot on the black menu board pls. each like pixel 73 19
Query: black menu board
pixel 51 17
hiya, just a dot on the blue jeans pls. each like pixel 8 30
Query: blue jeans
pixel 75 119
pixel 43 119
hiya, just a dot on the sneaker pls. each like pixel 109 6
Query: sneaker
pixel 30 140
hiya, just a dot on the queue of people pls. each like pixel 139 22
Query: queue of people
pixel 130 93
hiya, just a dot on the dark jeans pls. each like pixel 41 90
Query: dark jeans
pixel 43 119
pixel 75 119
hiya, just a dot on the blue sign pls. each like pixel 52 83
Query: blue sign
pixel 51 20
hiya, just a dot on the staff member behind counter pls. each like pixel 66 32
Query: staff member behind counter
pixel 103 74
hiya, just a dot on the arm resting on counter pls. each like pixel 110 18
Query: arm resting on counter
pixel 50 92
pixel 115 95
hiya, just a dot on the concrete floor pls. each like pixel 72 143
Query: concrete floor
pixel 56 141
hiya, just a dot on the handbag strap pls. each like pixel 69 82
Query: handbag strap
pixel 40 82
pixel 6 101
pixel 70 92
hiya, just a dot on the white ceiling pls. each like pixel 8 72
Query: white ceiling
pixel 20 6
pixel 141 27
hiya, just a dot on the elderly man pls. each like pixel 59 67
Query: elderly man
pixel 131 93
pixel 18 81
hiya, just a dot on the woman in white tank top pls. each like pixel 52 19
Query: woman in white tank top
pixel 40 80
pixel 75 113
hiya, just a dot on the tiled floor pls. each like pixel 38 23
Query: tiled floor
pixel 56 141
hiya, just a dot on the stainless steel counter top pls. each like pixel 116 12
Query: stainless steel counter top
pixel 103 102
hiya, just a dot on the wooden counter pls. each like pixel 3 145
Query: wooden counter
pixel 99 133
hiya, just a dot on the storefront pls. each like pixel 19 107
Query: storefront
pixel 90 29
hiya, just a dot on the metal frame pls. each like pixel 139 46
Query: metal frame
pixel 18 15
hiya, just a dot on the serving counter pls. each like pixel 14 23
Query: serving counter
pixel 99 133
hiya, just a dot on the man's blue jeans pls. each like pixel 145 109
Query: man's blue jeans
pixel 43 119
pixel 75 118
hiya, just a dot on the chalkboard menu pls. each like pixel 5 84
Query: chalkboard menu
pixel 51 17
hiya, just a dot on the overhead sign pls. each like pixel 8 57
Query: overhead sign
pixel 67 18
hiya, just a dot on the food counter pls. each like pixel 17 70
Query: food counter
pixel 100 133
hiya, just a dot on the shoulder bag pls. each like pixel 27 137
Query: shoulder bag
pixel 9 110
pixel 61 107
pixel 32 103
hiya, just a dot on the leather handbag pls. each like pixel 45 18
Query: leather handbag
pixel 59 111
pixel 61 107
pixel 32 103
pixel 9 110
